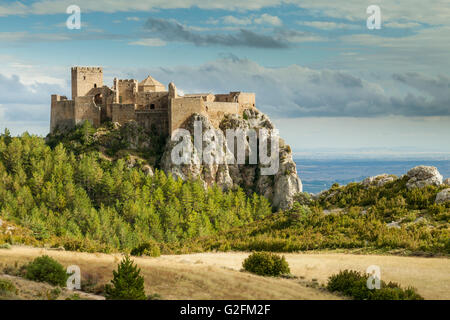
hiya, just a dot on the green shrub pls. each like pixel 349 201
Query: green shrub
pixel 354 284
pixel 266 264
pixel 74 296
pixel 7 287
pixel 148 248
pixel 127 283
pixel 46 269
pixel 53 294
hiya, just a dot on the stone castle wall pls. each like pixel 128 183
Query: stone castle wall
pixel 122 113
pixel 147 103
pixel 62 115
pixel 86 109
pixel 152 100
pixel 127 91
pixel 154 120
pixel 181 108
pixel 217 110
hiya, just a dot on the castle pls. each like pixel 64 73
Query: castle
pixel 146 102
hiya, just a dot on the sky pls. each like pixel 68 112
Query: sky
pixel 326 80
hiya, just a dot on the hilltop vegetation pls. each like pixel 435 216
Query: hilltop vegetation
pixel 348 217
pixel 72 196
pixel 94 194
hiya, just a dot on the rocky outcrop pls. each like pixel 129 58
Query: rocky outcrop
pixel 423 176
pixel 447 182
pixel 279 187
pixel 379 180
pixel 443 196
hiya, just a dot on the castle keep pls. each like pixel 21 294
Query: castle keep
pixel 146 102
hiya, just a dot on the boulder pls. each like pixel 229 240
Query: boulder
pixel 423 176
pixel 379 180
pixel 447 182
pixel 148 170
pixel 393 224
pixel 443 196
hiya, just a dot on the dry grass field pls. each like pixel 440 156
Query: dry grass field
pixel 217 275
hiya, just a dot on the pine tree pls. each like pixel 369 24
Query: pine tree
pixel 127 283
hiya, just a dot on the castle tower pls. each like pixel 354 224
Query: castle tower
pixel 84 79
pixel 173 91
pixel 149 84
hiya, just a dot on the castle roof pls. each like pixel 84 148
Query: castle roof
pixel 149 81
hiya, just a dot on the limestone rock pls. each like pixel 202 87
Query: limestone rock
pixel 148 170
pixel 443 196
pixel 279 188
pixel 393 224
pixel 447 181
pixel 422 176
pixel 379 180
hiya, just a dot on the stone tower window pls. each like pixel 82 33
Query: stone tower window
pixel 152 106
pixel 84 77
pixel 95 85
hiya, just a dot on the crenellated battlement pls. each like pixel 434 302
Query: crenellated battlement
pixel 87 69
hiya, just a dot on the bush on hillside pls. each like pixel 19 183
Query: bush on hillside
pixel 354 284
pixel 266 264
pixel 127 283
pixel 46 269
pixel 7 287
pixel 148 249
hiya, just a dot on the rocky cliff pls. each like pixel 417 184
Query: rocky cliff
pixel 279 188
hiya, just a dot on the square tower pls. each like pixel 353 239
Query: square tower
pixel 84 79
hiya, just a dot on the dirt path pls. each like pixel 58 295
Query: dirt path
pixel 217 275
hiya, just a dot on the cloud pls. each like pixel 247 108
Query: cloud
pixel 325 25
pixel 174 31
pixel 239 21
pixel 432 11
pixel 25 107
pixel 24 37
pixel 404 25
pixel 14 91
pixel 296 91
pixel 149 42
pixel 268 19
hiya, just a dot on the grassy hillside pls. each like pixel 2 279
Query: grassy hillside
pixel 348 217
pixel 88 190
pixel 71 195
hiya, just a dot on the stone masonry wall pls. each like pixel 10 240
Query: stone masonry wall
pixel 122 113
pixel 86 109
pixel 217 110
pixel 62 113
pixel 180 109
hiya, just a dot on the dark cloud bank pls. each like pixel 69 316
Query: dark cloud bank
pixel 173 31
pixel 295 91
